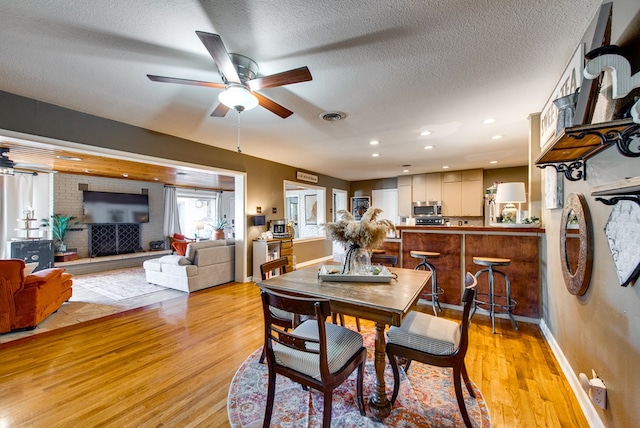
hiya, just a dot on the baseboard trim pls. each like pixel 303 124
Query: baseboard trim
pixel 590 412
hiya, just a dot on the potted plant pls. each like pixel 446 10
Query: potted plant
pixel 219 228
pixel 59 225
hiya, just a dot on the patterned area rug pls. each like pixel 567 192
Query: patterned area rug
pixel 426 399
pixel 118 284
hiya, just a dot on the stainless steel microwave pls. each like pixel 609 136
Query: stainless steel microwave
pixel 426 209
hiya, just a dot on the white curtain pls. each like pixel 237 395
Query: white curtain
pixel 171 217
pixel 17 197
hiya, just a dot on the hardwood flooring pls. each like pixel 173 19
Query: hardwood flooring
pixel 170 364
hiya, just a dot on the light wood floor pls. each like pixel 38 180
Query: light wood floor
pixel 170 364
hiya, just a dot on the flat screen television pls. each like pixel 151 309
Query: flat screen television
pixel 108 207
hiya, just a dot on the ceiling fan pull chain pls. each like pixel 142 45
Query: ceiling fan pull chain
pixel 239 151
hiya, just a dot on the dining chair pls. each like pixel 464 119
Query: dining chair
pixel 316 353
pixel 284 319
pixel 435 341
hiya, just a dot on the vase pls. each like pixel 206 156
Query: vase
pixel 61 247
pixel 359 262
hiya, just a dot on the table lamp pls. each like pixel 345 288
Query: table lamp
pixel 199 227
pixel 508 194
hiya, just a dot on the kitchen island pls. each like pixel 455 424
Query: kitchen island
pixel 458 245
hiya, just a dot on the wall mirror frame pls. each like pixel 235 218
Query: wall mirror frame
pixel 576 260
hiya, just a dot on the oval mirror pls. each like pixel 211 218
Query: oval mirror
pixel 576 244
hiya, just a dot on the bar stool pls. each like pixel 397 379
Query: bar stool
pixel 435 290
pixel 507 304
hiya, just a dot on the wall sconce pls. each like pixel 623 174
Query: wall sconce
pixel 508 194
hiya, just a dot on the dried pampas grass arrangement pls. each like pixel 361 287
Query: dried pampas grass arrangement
pixel 368 233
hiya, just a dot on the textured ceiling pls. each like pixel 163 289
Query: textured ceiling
pixel 396 68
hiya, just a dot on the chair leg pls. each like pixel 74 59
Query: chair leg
pixel 467 382
pixel 359 389
pixel 458 387
pixel 358 323
pixel 328 401
pixel 271 391
pixel 262 356
pixel 396 376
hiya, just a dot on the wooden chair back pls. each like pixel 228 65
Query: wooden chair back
pixel 279 265
pixel 384 259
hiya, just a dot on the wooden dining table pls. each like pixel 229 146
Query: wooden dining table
pixel 384 303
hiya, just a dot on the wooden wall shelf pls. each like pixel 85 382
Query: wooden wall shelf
pixel 627 189
pixel 569 150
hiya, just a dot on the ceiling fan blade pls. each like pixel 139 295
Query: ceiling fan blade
pixel 273 106
pixel 296 75
pixel 185 81
pixel 219 53
pixel 220 111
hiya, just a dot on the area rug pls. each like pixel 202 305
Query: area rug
pixel 426 399
pixel 118 284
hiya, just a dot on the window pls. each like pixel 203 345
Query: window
pixel 304 209
pixel 198 212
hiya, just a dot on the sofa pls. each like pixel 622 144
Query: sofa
pixel 205 264
pixel 28 298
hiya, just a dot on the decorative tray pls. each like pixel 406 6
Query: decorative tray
pixel 333 273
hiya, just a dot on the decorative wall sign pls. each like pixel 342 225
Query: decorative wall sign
pixel 568 83
pixel 623 235
pixel 359 206
pixel 576 244
pixel 305 176
pixel 622 82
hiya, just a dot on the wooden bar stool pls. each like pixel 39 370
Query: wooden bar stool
pixel 502 303
pixel 435 290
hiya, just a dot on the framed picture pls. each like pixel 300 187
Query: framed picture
pixel 311 209
pixel 359 206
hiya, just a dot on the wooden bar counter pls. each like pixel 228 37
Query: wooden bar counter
pixel 458 245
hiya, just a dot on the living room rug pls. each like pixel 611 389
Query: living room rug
pixel 426 399
pixel 118 284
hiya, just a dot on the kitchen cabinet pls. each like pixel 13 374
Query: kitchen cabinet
pixel 427 187
pixel 462 194
pixel 404 196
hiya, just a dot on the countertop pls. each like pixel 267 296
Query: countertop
pixel 456 229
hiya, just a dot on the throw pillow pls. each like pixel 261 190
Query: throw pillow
pixel 29 267
pixel 178 236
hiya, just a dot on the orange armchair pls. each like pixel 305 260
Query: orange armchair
pixel 26 301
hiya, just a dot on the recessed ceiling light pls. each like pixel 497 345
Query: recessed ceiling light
pixel 125 175
pixel 425 133
pixel 493 162
pixel 405 170
pixel 375 155
pixel 428 147
pixel 496 137
pixel 71 158
pixel 156 178
pixel 374 142
pixel 445 167
pixel 488 121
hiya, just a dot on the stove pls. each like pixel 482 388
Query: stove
pixel 430 221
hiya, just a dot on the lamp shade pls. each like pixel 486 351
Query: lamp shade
pixel 511 192
pixel 239 98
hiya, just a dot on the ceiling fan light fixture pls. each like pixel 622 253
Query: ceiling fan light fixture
pixel 238 98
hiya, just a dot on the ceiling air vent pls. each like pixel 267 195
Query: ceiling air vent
pixel 332 116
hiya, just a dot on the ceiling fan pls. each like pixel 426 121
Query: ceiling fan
pixel 240 83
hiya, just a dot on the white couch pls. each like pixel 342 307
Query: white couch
pixel 205 264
